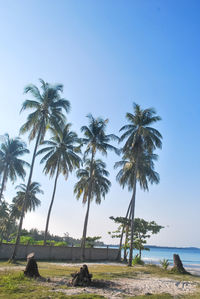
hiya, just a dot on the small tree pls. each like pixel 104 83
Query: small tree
pixel 143 231
pixel 90 241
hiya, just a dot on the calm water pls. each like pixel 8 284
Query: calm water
pixel 190 257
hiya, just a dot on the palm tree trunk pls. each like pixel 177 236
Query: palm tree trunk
pixel 51 204
pixel 85 229
pixel 3 182
pixel 126 242
pixel 25 198
pixel 87 212
pixel 122 234
pixel 140 252
pixel 132 224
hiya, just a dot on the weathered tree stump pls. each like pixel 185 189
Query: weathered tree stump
pixel 81 278
pixel 31 267
pixel 178 266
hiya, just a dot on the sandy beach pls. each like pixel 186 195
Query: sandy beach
pixel 143 284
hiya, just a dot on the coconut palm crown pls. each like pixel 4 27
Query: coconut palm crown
pixel 61 152
pixel 32 201
pixel 145 172
pixel 95 137
pixel 48 108
pixel 11 166
pixel 99 184
pixel 139 132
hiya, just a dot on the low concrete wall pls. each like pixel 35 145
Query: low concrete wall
pixel 58 253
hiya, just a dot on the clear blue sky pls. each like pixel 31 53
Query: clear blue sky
pixel 109 54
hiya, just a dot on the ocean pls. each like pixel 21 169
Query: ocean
pixel 190 256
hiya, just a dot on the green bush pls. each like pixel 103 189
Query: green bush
pixel 164 263
pixel 60 244
pixel 137 260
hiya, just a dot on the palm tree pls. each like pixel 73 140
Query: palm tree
pixel 11 166
pixel 95 140
pixel 48 111
pixel 32 201
pixel 93 186
pixel 141 140
pixel 4 215
pixel 60 157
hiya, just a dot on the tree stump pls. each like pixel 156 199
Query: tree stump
pixel 178 266
pixel 81 278
pixel 31 267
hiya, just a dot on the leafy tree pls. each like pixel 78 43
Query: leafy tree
pixel 142 231
pixel 48 108
pixel 124 224
pixel 90 241
pixel 11 166
pixel 60 157
pixel 95 140
pixel 141 139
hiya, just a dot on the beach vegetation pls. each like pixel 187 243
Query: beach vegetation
pixel 91 185
pixel 95 140
pixel 91 241
pixel 31 203
pixel 137 164
pixel 11 164
pixel 142 231
pixel 60 157
pixel 48 107
pixel 137 260
pixel 165 263
pixel 8 224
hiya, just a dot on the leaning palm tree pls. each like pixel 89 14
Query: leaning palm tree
pixel 95 140
pixel 48 108
pixel 11 166
pixel 140 139
pixel 60 157
pixel 32 201
pixel 96 185
pixel 130 176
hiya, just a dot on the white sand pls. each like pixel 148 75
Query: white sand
pixel 142 285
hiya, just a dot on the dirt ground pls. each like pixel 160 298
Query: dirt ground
pixel 142 285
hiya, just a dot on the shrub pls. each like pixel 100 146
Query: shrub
pixel 164 263
pixel 60 244
pixel 137 260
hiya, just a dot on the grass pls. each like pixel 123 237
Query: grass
pixel 13 284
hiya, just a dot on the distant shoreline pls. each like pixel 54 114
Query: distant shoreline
pixel 156 246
